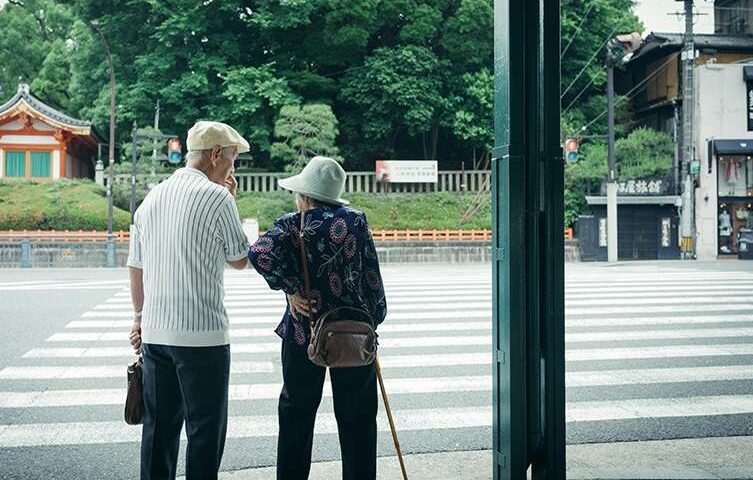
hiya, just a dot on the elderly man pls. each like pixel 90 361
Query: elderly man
pixel 184 233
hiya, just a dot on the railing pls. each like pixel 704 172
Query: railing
pixel 62 236
pixel 94 236
pixel 456 181
pixel 431 235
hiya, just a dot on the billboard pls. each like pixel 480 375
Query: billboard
pixel 407 171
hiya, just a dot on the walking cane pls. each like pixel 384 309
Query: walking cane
pixel 389 417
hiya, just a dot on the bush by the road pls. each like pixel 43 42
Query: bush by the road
pixel 62 205
pixel 395 211
pixel 82 205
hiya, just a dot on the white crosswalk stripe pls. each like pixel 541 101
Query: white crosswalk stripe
pixel 677 342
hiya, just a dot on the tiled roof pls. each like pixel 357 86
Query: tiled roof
pixel 658 44
pixel 24 94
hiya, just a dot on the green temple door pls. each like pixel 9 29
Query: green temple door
pixel 528 243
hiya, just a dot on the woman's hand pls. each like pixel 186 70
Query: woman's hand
pixel 299 306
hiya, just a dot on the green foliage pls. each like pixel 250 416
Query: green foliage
pixel 606 18
pixel 645 153
pixel 403 77
pixel 395 211
pixel 303 132
pixel 63 205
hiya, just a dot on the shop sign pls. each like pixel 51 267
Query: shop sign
pixel 750 105
pixel 645 187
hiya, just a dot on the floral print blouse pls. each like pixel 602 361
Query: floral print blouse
pixel 342 263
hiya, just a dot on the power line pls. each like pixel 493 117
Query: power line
pixel 578 96
pixel 577 30
pixel 633 91
pixel 589 63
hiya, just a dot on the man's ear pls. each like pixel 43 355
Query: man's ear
pixel 216 155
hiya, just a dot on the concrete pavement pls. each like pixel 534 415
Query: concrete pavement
pixel 695 458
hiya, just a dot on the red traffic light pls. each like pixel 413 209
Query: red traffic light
pixel 571 150
pixel 174 155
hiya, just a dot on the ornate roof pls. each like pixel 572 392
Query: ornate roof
pixel 24 101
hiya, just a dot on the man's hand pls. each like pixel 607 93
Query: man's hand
pixel 299 306
pixel 135 336
pixel 231 184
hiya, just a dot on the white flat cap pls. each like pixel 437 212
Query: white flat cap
pixel 205 135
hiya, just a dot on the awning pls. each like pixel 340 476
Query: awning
pixel 733 147
pixel 647 200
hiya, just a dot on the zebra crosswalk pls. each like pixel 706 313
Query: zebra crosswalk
pixel 652 351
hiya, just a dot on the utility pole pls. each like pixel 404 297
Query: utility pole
pixel 156 127
pixel 111 149
pixel 611 163
pixel 688 58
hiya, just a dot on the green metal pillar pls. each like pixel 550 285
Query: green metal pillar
pixel 528 267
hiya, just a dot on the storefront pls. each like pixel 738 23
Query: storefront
pixel 734 160
pixel 724 147
pixel 647 223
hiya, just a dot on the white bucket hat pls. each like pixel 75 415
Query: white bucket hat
pixel 205 135
pixel 322 179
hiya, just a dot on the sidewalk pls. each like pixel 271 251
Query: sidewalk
pixel 698 458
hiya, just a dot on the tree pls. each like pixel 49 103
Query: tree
pixel 399 90
pixel 302 132
pixel 586 26
pixel 644 153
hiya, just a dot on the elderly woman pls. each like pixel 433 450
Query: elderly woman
pixel 344 271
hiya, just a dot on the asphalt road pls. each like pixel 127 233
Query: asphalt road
pixel 654 351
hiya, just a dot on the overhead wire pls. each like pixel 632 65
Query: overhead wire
pixel 562 95
pixel 577 30
pixel 633 91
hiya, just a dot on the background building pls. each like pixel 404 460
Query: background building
pixel 40 143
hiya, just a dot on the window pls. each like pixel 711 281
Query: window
pixel 28 164
pixel 15 164
pixel 40 164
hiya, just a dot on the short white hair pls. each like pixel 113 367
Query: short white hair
pixel 199 155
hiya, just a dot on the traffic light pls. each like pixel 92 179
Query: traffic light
pixel 174 155
pixel 571 150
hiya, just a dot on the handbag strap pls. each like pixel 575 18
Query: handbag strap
pixel 305 267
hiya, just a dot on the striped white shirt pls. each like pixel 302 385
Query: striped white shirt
pixel 183 234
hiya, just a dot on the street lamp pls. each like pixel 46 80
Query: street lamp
pixel 110 167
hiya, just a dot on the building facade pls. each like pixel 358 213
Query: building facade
pixel 722 123
pixel 40 143
pixel 724 145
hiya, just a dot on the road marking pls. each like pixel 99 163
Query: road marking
pixel 669 320
pixel 688 300
pixel 275 319
pixel 637 310
pixel 87 433
pixel 457 306
pixel 237 392
pixel 391 341
pixel 670 351
pixel 110 371
pixel 629 409
pixel 280 302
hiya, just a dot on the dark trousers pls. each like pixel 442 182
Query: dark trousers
pixel 355 402
pixel 184 384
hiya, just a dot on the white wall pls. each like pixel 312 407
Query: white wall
pixel 28 140
pixel 720 113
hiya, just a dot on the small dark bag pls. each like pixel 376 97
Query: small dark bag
pixel 134 405
pixel 341 337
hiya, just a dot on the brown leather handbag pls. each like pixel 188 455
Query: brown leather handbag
pixel 341 337
pixel 134 405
